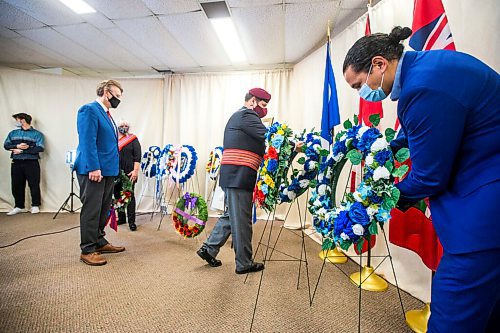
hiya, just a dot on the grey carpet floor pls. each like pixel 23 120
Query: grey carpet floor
pixel 160 285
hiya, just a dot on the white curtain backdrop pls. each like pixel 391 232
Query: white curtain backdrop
pixel 193 108
pixel 179 109
pixel 53 102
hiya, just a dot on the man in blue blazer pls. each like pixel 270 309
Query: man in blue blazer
pixel 97 166
pixel 449 110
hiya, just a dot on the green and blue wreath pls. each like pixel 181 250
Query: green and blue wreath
pixel 360 213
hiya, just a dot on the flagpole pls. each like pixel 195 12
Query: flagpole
pixel 334 256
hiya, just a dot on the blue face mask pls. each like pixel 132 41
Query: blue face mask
pixel 372 95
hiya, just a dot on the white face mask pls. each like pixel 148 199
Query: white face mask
pixel 19 124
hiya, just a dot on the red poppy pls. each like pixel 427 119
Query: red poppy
pixel 260 196
pixel 272 153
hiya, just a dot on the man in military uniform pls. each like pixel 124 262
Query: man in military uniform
pixel 244 148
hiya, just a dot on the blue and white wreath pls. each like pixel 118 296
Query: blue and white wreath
pixel 358 215
pixel 149 161
pixel 185 164
pixel 306 178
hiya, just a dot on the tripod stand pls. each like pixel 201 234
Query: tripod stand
pixel 69 198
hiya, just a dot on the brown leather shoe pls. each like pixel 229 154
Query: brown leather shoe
pixel 93 259
pixel 109 248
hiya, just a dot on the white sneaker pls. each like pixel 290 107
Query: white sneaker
pixel 35 210
pixel 16 211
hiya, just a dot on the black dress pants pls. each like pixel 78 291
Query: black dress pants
pixel 96 202
pixel 22 171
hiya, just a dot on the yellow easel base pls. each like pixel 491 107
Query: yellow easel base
pixel 369 280
pixel 333 256
pixel 417 319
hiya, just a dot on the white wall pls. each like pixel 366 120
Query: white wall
pixel 474 26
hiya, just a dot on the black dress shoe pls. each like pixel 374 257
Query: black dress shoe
pixel 132 226
pixel 203 253
pixel 256 267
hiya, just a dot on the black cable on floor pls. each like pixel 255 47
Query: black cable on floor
pixel 38 235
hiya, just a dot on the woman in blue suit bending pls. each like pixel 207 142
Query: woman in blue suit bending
pixel 449 110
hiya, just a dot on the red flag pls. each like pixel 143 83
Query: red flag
pixel 366 109
pixel 413 230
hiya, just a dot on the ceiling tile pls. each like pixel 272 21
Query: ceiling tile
pixel 15 53
pixel 314 16
pixel 172 6
pixel 133 47
pixel 13 18
pixel 153 36
pixel 121 9
pixel 7 33
pixel 251 3
pixel 62 61
pixel 50 12
pixel 86 34
pixel 261 32
pixel 98 20
pixel 196 35
pixel 51 39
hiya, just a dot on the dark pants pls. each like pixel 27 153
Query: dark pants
pixel 238 223
pixel 96 201
pixel 466 293
pixel 130 208
pixel 22 171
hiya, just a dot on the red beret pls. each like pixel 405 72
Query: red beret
pixel 260 93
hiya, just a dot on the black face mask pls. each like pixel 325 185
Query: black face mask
pixel 113 101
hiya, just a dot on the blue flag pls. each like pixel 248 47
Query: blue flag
pixel 330 116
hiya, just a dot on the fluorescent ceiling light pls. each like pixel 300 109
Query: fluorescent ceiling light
pixel 225 30
pixel 78 6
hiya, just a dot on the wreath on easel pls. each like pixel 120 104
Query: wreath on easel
pixel 359 213
pixel 149 162
pixel 190 215
pixel 214 162
pixel 185 164
pixel 271 172
pixel 305 178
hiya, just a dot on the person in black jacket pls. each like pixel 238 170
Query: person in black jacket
pixel 130 163
pixel 244 148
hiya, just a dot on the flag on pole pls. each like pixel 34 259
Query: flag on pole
pixel 413 229
pixel 330 116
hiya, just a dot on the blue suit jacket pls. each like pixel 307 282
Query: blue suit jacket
pixel 97 141
pixel 449 108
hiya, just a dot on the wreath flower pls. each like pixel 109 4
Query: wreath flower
pixel 272 169
pixel 190 215
pixel 359 214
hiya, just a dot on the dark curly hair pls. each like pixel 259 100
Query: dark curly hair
pixel 389 46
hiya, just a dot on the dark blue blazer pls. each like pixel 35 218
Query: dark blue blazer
pixel 97 141
pixel 449 108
